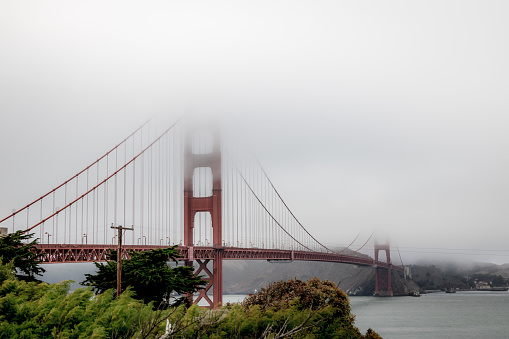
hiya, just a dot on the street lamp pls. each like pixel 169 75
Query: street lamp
pixel 84 236
pixel 49 235
pixel 113 240
pixel 145 240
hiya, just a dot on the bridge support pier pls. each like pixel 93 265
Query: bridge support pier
pixel 210 204
pixel 383 284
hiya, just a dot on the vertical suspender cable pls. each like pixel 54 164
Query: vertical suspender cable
pixel 150 196
pixel 142 193
pixel 93 216
pixel 75 197
pixel 134 193
pixel 106 198
pixel 173 186
pixel 88 207
pixel 42 228
pixel 232 199
pixel 125 186
pixel 115 206
pixel 96 193
pixel 167 190
pixel 237 198
pixel 65 213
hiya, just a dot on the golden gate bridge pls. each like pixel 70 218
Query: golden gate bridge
pixel 188 186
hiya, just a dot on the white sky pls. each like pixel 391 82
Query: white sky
pixel 388 115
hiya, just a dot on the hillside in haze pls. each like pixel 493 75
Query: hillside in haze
pixel 249 276
pixel 242 277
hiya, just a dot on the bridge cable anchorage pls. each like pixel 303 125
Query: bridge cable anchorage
pixel 100 183
pixel 81 172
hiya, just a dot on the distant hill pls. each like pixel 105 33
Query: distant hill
pixel 242 277
pixel 248 276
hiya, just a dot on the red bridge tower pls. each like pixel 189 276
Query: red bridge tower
pixel 210 204
pixel 383 286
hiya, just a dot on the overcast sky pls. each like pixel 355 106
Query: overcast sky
pixel 387 115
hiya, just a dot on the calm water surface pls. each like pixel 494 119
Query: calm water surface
pixel 463 315
pixel 466 315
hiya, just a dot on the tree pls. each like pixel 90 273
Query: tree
pixel 148 275
pixel 22 255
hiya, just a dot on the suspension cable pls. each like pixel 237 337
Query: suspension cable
pixel 105 180
pixel 79 173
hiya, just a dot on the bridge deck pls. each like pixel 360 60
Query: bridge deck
pixel 69 253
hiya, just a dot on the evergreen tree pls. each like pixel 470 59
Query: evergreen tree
pixel 18 249
pixel 148 275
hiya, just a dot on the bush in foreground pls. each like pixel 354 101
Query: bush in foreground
pixel 312 309
pixel 292 309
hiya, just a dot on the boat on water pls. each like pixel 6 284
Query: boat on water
pixel 450 289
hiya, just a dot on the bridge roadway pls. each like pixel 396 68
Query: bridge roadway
pixel 73 253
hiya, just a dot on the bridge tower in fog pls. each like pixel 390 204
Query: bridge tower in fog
pixel 204 158
pixel 184 186
pixel 383 286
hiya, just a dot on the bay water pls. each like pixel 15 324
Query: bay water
pixel 466 315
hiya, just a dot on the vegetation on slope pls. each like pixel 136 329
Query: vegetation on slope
pixel 315 309
pixel 33 309
pixel 148 275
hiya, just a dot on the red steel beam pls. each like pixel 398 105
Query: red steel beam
pixel 55 253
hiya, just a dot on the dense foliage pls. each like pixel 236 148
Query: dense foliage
pixel 18 249
pixel 148 275
pixel 326 306
pixel 41 310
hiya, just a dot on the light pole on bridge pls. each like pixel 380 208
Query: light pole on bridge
pixel 49 235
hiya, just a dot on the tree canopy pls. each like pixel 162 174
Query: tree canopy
pixel 148 275
pixel 18 249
